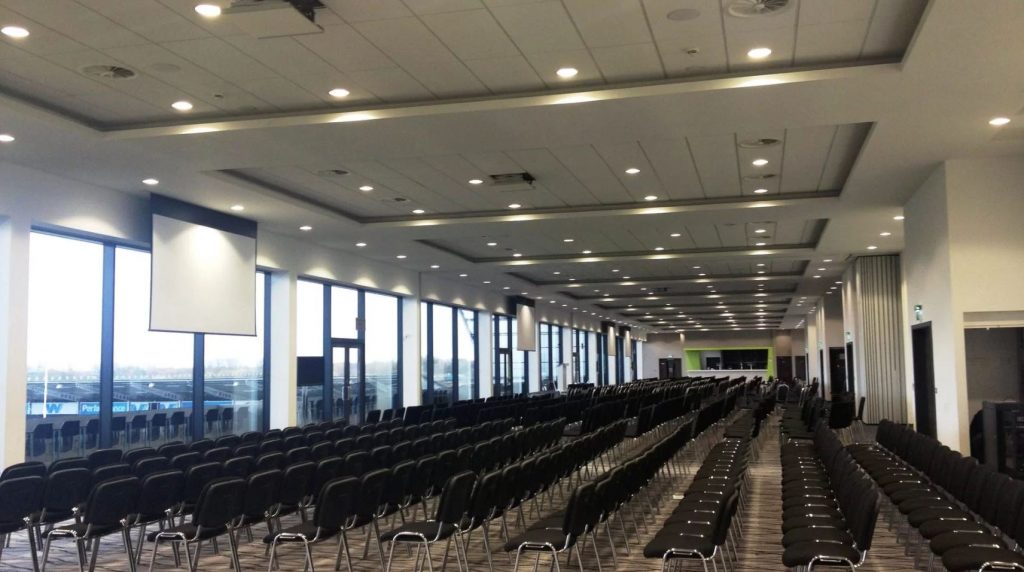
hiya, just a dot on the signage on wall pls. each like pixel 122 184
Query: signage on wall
pixel 918 311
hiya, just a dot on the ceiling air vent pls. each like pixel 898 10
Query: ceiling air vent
pixel 332 172
pixel 513 181
pixel 109 72
pixel 755 8
pixel 767 177
pixel 758 143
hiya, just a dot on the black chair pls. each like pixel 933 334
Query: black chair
pixel 65 491
pixel 184 461
pixel 240 467
pixel 69 463
pixel 298 455
pixel 27 469
pixel 20 497
pixel 445 525
pixel 108 472
pixel 294 488
pixel 201 446
pixel 217 454
pixel 336 505
pixel 158 427
pixel 172 449
pixel 247 450
pixel 218 511
pixel 267 461
pixel 160 495
pixel 261 493
pixel 149 465
pixel 129 457
pixel 369 508
pixel 177 424
pixel 106 513
pixel 103 457
pixel 196 479
pixel 356 463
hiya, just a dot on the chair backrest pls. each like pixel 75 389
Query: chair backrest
pixel 298 454
pixel 150 465
pixel 20 497
pixel 326 470
pixel 247 450
pixel 185 461
pixel 485 499
pixel 338 498
pixel 295 485
pixel 372 487
pixel 201 446
pixel 219 503
pixel 455 497
pixel 271 460
pixel 170 450
pixel 160 491
pixel 400 485
pixel 110 472
pixel 217 454
pixel 66 489
pixel 27 469
pixel 574 520
pixel 130 456
pixel 197 477
pixel 102 457
pixel 356 463
pixel 111 501
pixel 238 467
pixel 261 493
pixel 70 463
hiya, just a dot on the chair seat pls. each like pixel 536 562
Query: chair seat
pixel 295 533
pixel 806 521
pixel 545 538
pixel 973 557
pixel 665 543
pixel 799 511
pixel 799 535
pixel 188 531
pixel 906 494
pixel 913 504
pixel 919 517
pixel 934 528
pixel 950 540
pixel 78 530
pixel 801 553
pixel 427 528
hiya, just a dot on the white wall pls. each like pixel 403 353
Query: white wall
pixel 661 346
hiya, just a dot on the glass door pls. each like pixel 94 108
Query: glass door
pixel 346 379
pixel 503 372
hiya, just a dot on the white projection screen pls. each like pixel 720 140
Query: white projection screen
pixel 203 270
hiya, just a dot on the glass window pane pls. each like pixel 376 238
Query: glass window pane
pixel 424 352
pixel 556 355
pixel 309 318
pixel 519 371
pixel 545 356
pixel 382 377
pixel 345 380
pixel 344 311
pixel 65 323
pixel 467 353
pixel 152 370
pixel 443 352
pixel 233 389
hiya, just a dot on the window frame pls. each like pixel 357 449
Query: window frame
pixel 427 314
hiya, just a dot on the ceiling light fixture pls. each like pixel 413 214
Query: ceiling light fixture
pixel 338 93
pixel 566 73
pixel 182 105
pixel 760 191
pixel 651 198
pixel 475 182
pixel 6 138
pixel 16 32
pixel 587 251
pixel 632 171
pixel 305 228
pixel 898 217
pixel 517 255
pixel 760 231
pixel 151 182
pixel 208 10
pixel 435 266
pixel 998 121
pixel 759 162
pixel 418 211
pixel 885 234
pixel 400 257
pixel 361 245
pixel 659 248
pixel 568 240
pixel 759 53
pixel 463 275
pixel 872 247
pixel 366 188
pixel 515 206
pixel 238 208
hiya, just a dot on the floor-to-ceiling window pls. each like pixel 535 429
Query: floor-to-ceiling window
pixel 511 367
pixel 601 364
pixel 349 352
pixel 97 375
pixel 449 346
pixel 581 351
pixel 550 356
pixel 634 360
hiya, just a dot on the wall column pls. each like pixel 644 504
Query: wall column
pixel 14 268
pixel 283 365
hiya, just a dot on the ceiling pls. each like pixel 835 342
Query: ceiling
pixel 855 106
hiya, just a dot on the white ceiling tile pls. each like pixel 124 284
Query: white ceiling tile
pixel 622 156
pixel 715 157
pixel 281 93
pixel 346 49
pixel 587 166
pixel 827 11
pixel 471 35
pixel 790 232
pixel 43 40
pixel 76 22
pixel 834 42
pixel 539 26
pixel 548 63
pixel 604 23
pixel 806 151
pixel 422 7
pixel 673 164
pixel 503 75
pixel 709 58
pixel 671 30
pixel 704 235
pixel 284 56
pixel 148 18
pixel 320 84
pixel 392 85
pixel 637 62
pixel 221 58
pixel 892 26
pixel 46 71
pixel 367 11
pixel 732 235
pixel 845 149
pixel 559 181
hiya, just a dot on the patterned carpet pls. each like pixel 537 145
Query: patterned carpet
pixel 759 549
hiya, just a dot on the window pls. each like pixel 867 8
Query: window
pixel 233 379
pixel 550 356
pixel 449 349
pixel 152 370
pixel 65 324
pixel 581 365
pixel 309 323
pixel 382 351
pixel 511 367
pixel 601 340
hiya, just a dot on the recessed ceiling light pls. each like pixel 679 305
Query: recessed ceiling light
pixel 463 275
pixel 568 240
pixel 821 269
pixel 400 257
pixel 760 191
pixel 492 244
pixel 659 248
pixel 675 235
pixel 517 255
pixel 759 243
pixel 361 245
pixel 435 266
pixel 827 260
pixel 238 208
pixel 760 271
pixel 418 211
pixel 339 92
pixel 14 32
pixel 556 272
pixel 475 182
pixel 151 182
pixel 632 171
pixel 487 281
pixel 182 105
pixel 759 53
pixel 651 198
pixel 587 252
pixel 208 10
pixel 898 217
pixel 759 162
pixel 885 234
pixel 6 138
pixel 999 121
pixel 515 206
pixel 567 73
pixel 816 276
pixel 760 231
pixel 366 188
pixel 305 228
pixel 505 287
pixel 872 247
pixel 702 274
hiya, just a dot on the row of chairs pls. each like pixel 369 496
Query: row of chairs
pixel 970 516
pixel 700 527
pixel 830 507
